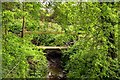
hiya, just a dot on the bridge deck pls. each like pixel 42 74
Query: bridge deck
pixel 53 47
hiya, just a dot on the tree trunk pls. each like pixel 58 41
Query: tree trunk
pixel 23 23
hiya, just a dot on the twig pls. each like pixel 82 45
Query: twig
pixel 12 69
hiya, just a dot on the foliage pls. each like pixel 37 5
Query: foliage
pixel 91 27
pixel 15 51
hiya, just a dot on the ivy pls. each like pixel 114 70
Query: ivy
pixel 90 30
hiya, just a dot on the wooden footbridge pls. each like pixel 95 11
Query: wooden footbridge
pixel 53 56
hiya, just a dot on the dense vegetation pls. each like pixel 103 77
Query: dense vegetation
pixel 89 29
